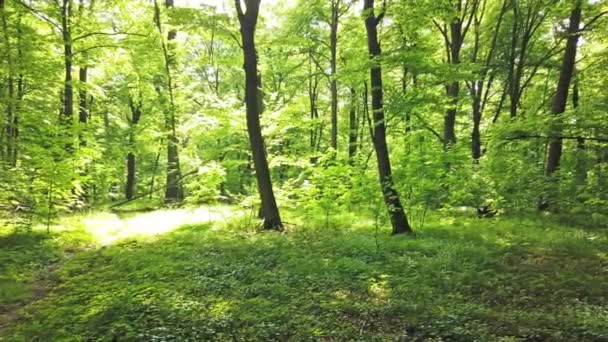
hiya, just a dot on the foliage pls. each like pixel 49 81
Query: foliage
pixel 457 279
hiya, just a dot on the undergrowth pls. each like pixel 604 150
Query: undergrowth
pixel 456 279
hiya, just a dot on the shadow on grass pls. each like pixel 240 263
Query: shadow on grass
pixel 476 280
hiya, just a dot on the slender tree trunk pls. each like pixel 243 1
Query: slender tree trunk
pixel 248 21
pixel 475 134
pixel 453 89
pixel 353 126
pixel 512 89
pixel 10 88
pixel 407 116
pixel 173 189
pixel 581 158
pixel 560 98
pixel 135 116
pixel 130 188
pixel 333 43
pixel 391 196
pixel 68 90
pixel 83 110
pixel 480 89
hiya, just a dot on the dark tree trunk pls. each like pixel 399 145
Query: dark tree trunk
pixel 581 158
pixel 135 116
pixel 7 133
pixel 248 21
pixel 353 126
pixel 560 98
pixel 512 89
pixel 453 89
pixel 475 134
pixel 68 91
pixel 83 111
pixel 315 127
pixel 333 43
pixel 130 189
pixel 173 187
pixel 391 196
pixel 480 89
pixel 407 116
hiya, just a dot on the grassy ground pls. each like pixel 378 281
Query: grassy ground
pixel 458 279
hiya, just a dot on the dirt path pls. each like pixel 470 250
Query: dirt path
pixel 42 286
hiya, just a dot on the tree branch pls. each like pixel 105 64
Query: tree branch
pixel 108 34
pixel 40 15
pixel 593 20
pixel 565 137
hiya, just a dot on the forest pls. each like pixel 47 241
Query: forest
pixel 304 170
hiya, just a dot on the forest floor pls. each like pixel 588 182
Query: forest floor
pixel 206 274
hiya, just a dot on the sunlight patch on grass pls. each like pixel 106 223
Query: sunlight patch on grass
pixel 108 228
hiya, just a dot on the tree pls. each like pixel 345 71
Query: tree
pixel 135 107
pixel 454 36
pixel 248 20
pixel 560 99
pixel 390 195
pixel 173 187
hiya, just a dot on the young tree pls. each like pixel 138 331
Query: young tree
pixel 248 20
pixel 391 196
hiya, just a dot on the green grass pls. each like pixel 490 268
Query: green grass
pixel 457 279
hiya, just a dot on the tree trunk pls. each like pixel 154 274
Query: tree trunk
pixel 10 89
pixel 475 134
pixel 353 126
pixel 453 89
pixel 333 43
pixel 135 116
pixel 83 111
pixel 391 196
pixel 248 20
pixel 173 187
pixel 581 158
pixel 130 189
pixel 560 99
pixel 68 91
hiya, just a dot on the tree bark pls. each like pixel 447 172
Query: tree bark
pixel 135 116
pixel 173 188
pixel 560 98
pixel 453 89
pixel 8 131
pixel 333 43
pixel 581 158
pixel 353 126
pixel 396 213
pixel 248 21
pixel 68 91
pixel 83 112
